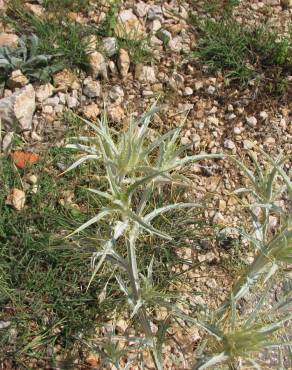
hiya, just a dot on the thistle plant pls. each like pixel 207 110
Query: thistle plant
pixel 271 251
pixel 133 168
pixel 130 169
pixel 233 338
pixel 236 338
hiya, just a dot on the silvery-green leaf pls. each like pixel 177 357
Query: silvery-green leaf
pixel 278 345
pixel 86 139
pixel 247 172
pixel 111 255
pixel 275 325
pixel 107 247
pixel 16 62
pixel 244 288
pixel 102 194
pixel 281 172
pixel 80 161
pixel 143 181
pixel 150 269
pixel 254 363
pixel 257 166
pixel 211 329
pixel 274 267
pixel 258 228
pixel 284 304
pixel 146 226
pixel 103 134
pixel 150 216
pixel 119 228
pixel 92 221
pixel 255 312
pixel 124 288
pixel 216 359
pixel 84 148
pixel 4 62
pixel 134 276
pixel 158 141
pixel 200 157
pixel 34 45
pixel 137 307
pixel 242 190
pixel 268 206
pixel 4 324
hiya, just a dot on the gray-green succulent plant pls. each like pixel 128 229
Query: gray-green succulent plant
pixel 28 59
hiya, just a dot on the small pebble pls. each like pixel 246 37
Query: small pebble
pixel 72 102
pixel 188 91
pixel 247 144
pixel 269 141
pixel 211 90
pixel 264 115
pixel 237 130
pixel 230 116
pixel 185 141
pixel 251 121
pixel 229 144
pixel 198 85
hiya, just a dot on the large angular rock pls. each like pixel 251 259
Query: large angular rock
pixel 66 80
pixel 124 62
pixel 97 65
pixel 141 9
pixel 92 89
pixel 43 92
pixel 36 9
pixel 2 5
pixel 110 46
pixel 17 79
pixel 145 74
pixel 128 26
pixel 16 111
pixel 155 12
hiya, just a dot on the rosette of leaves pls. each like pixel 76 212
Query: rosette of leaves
pixel 27 58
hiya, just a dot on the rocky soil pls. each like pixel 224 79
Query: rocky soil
pixel 216 117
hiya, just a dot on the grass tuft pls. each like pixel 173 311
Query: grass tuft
pixel 244 53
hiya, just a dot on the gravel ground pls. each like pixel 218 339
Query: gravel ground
pixel 217 118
